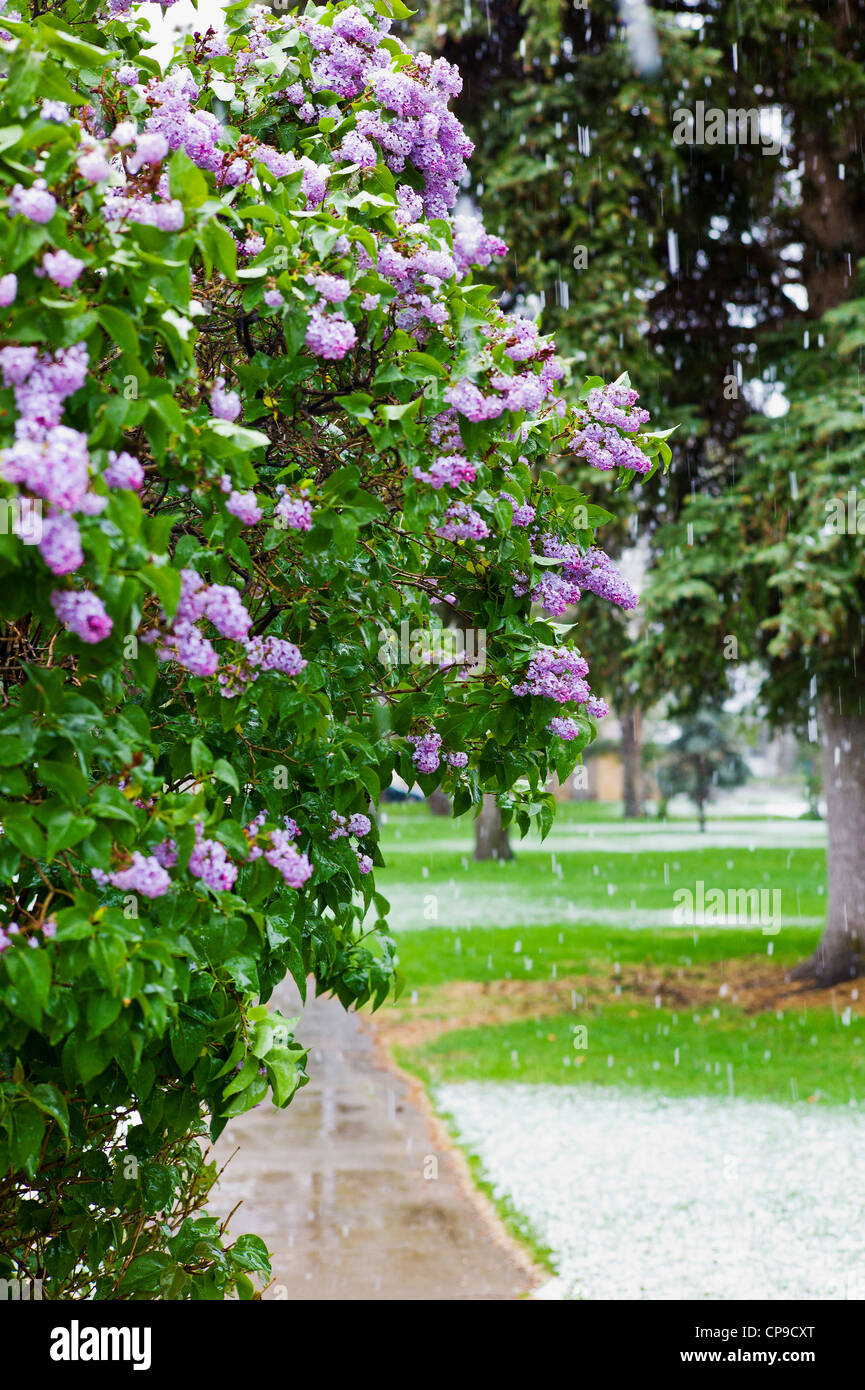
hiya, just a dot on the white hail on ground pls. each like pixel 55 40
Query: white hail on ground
pixel 642 1196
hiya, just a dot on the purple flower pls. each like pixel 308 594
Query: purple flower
pixel 127 76
pixel 224 404
pixel 62 268
pixel 144 875
pixel 124 471
pixel 462 522
pixel 169 216
pixel 244 505
pixel 426 755
pixel 604 448
pixel 333 288
pixel 282 855
pixel 356 149
pixel 465 397
pixel 555 673
pixel 190 649
pixel 166 853
pixel 54 467
pixel 563 727
pixel 93 165
pixel 330 335
pixel 16 364
pixel 60 546
pixel 554 593
pixel 209 862
pixel 151 147
pixel 447 472
pixel 596 572
pixel 224 607
pixel 124 133
pixel 34 203
pixel 275 654
pixel 8 290
pixel 295 513
pixel 359 825
pixel 364 863
pixel 273 299
pixel 616 405
pixel 523 515
pixel 83 613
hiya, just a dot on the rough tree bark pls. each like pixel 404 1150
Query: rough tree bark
pixel 439 803
pixel 632 783
pixel 491 837
pixel 840 953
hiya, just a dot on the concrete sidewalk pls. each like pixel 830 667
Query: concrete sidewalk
pixel 354 1187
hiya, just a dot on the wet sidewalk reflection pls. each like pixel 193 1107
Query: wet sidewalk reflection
pixel 349 1188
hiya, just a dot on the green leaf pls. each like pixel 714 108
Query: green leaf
pixel 27 1136
pixel 30 982
pixel 284 1072
pixel 219 246
pixel 250 1252
pixel 120 328
pixel 53 1103
pixel 226 773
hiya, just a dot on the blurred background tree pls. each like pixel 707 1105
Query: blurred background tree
pixel 702 758
pixel 706 271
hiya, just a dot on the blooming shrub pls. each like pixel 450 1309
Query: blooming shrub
pixel 263 411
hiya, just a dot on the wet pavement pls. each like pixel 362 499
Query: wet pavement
pixel 355 1189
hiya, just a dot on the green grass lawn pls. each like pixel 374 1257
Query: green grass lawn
pixel 801 1056
pixel 602 871
pixel 571 907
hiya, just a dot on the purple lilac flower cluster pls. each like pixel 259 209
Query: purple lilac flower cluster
pixel 593 570
pixel 357 825
pixel 294 866
pixel 462 523
pixel 145 875
pixel 421 130
pixel 564 727
pixel 293 513
pixel 428 753
pixel 554 592
pixel 184 642
pixel 524 512
pixel 209 861
pixel 555 673
pixel 50 461
pixel 609 410
pixel 447 471
pixel 224 404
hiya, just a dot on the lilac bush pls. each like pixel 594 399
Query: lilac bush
pixel 266 410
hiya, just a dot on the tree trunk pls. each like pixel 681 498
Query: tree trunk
pixel 632 788
pixel 841 951
pixel 491 838
pixel 439 803
pixel 702 793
